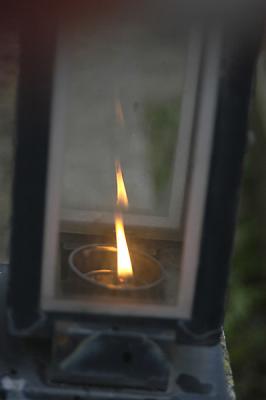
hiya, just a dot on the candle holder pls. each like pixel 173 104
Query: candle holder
pixel 96 264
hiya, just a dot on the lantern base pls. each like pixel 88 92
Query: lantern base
pixel 197 371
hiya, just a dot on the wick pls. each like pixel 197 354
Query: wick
pixel 127 280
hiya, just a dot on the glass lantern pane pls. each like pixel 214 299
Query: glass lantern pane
pixel 122 145
pixel 124 81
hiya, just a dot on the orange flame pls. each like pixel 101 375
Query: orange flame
pixel 124 266
pixel 121 199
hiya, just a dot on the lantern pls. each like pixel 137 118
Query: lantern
pixel 131 129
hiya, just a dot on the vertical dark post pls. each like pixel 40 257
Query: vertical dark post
pixel 37 41
pixel 224 181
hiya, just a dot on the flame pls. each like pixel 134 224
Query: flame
pixel 122 199
pixel 124 266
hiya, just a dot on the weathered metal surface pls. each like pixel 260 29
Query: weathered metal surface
pixel 199 372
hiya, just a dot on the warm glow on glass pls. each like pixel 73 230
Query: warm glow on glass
pixel 119 113
pixel 122 199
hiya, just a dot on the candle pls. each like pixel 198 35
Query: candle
pixel 96 264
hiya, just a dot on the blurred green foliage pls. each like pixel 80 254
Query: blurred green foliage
pixel 8 81
pixel 161 126
pixel 245 323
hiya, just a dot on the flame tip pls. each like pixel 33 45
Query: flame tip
pixel 122 199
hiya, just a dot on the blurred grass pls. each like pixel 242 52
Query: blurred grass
pixel 245 324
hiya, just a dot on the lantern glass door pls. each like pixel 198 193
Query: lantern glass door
pixel 121 134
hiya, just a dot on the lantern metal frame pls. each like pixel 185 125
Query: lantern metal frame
pixel 202 133
pixel 192 345
pixel 221 128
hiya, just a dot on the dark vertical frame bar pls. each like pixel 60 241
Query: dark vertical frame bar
pixel 230 137
pixel 37 43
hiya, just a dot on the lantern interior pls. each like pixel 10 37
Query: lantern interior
pixel 120 157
